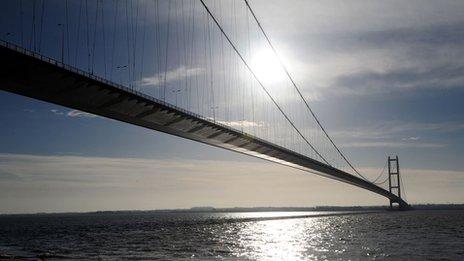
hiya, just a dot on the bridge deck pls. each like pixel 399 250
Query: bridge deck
pixel 35 76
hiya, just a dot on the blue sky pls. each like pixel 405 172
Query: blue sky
pixel 386 78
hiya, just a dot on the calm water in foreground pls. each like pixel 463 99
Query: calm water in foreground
pixel 246 236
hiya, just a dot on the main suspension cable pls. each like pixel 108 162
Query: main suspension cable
pixel 260 83
pixel 381 183
pixel 299 92
pixel 381 173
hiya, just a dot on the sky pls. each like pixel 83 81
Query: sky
pixel 384 77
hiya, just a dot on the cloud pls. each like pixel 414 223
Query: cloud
pixel 356 16
pixel 411 58
pixel 4 175
pixel 171 76
pixel 443 127
pixel 77 113
pixel 243 123
pixel 411 138
pixel 435 34
pixel 69 183
pixel 30 183
pixel 63 168
pixel 397 134
pixel 391 129
pixel 391 144
pixel 57 112
pixel 73 113
pixel 403 79
pixel 373 61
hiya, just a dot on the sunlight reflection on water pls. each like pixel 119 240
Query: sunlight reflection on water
pixel 416 235
pixel 294 239
pixel 278 239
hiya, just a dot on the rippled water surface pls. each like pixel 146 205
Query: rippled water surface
pixel 245 236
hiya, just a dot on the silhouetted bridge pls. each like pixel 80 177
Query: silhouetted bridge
pixel 38 77
pixel 178 67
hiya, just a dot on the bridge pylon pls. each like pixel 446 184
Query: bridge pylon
pixel 394 183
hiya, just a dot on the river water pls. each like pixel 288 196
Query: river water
pixel 411 235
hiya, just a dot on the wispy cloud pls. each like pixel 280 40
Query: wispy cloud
pixel 91 169
pixel 57 112
pixel 403 79
pixel 243 123
pixel 96 183
pixel 397 134
pixel 171 76
pixel 77 113
pixel 392 144
pixel 73 113
pixel 31 183
pixel 425 57
pixel 390 129
pixel 411 138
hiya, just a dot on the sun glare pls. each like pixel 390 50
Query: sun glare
pixel 267 67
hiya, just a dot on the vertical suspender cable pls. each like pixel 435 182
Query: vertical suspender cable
pixel 87 33
pixel 42 14
pixel 210 69
pixel 21 14
pixel 260 83
pixel 95 36
pixel 78 33
pixel 127 41
pixel 299 92
pixel 143 40
pixel 157 52
pixel 113 44
pixel 251 79
pixel 135 33
pixel 167 52
pixel 67 30
pixel 32 41
pixel 103 36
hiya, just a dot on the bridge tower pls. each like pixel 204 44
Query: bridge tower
pixel 394 183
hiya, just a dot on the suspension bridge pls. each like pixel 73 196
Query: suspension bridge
pixel 201 70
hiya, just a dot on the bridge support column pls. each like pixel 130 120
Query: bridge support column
pixel 394 184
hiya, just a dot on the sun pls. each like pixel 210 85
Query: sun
pixel 266 66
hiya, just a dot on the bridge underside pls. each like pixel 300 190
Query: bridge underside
pixel 38 77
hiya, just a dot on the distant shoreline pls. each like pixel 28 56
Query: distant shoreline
pixel 254 209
